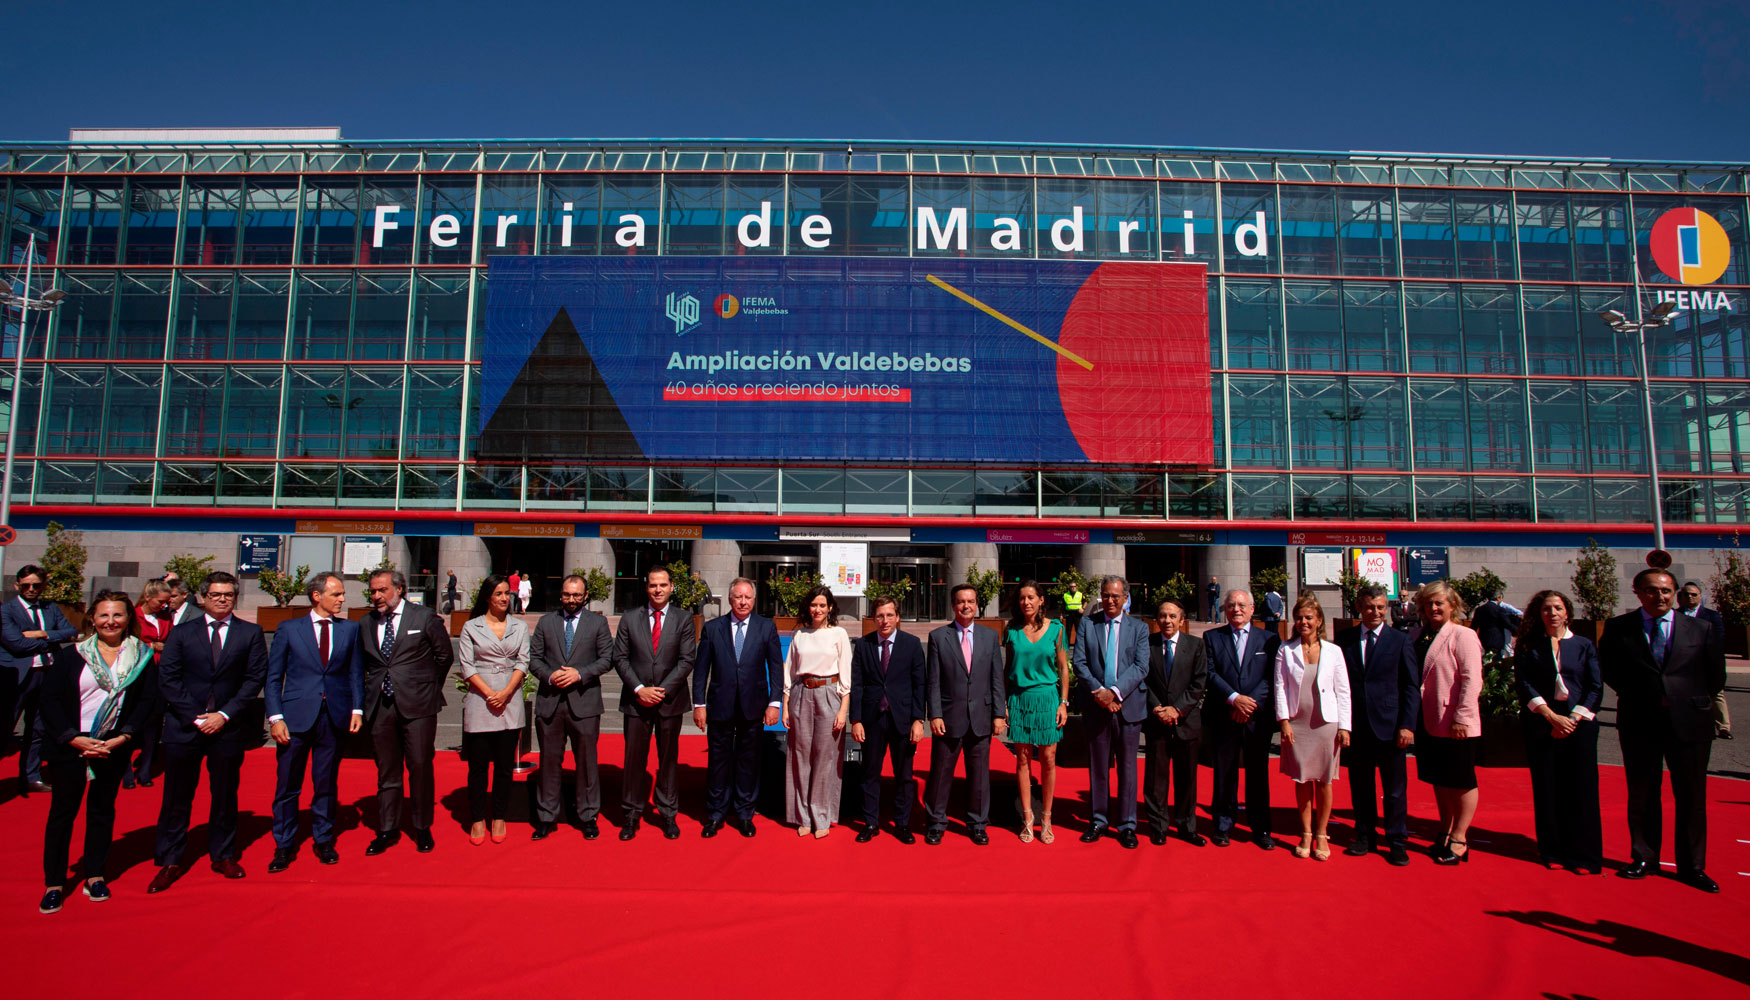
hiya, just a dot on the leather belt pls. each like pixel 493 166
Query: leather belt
pixel 816 682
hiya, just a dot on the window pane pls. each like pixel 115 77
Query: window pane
pixel 131 423
pixel 73 417
pixel 1431 316
pixel 315 401
pixel 1501 499
pixel 1564 499
pixel 1545 253
pixel 202 328
pixel 1728 428
pixel 996 203
pixel 209 230
pixel 1600 228
pixel 250 485
pixel 94 218
pixel 1378 428
pixel 1607 352
pixel 1372 327
pixel 1427 234
pixel 440 317
pixel 259 330
pixel 1178 199
pixel 331 221
pixel 1437 408
pixel 1254 324
pixel 373 412
pixel 1678 428
pixel 1379 498
pixel 252 412
pixel 1497 425
pixel 452 197
pixel 1558 426
pixel 270 224
pixel 1319 413
pixel 1483 226
pixel 1552 332
pixel 142 310
pixel 694 215
pixel 1442 498
pixel 82 320
pixel 1315 326
pixel 1260 498
pixel 396 245
pixel 630 195
pixel 321 317
pixel 1325 497
pixel 434 412
pixel 1126 219
pixel 1491 330
pixel 1195 496
pixel 1366 231
pixel 1309 230
pixel 1256 406
pixel 379 316
pixel 195 411
pixel 1249 210
pixel 574 197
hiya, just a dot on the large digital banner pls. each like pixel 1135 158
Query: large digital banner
pixel 845 359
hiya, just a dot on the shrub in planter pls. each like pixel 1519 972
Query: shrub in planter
pixel 1595 581
pixel 64 562
pixel 1475 588
pixel 1731 593
pixel 596 582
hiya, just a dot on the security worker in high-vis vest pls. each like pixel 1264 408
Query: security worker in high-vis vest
pixel 1072 608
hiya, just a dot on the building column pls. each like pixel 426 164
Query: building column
pixel 962 555
pixel 1231 566
pixel 719 562
pixel 467 555
pixel 1096 561
pixel 592 553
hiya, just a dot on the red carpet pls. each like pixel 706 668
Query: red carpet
pixel 779 916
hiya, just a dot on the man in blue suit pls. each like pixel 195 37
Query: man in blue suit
pixel 1385 685
pixel 888 687
pixel 738 680
pixel 31 629
pixel 211 669
pixel 1111 664
pixel 315 688
pixel 1239 715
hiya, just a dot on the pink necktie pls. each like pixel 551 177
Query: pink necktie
pixel 966 648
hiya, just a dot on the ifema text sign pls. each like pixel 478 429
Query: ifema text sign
pixel 851 359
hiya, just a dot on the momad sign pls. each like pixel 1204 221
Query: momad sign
pixel 862 359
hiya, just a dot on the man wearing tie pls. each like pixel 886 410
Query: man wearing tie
pixel 407 655
pixel 315 691
pixel 653 654
pixel 31 629
pixel 1689 603
pixel 888 684
pixel 1111 663
pixel 1240 717
pixel 736 690
pixel 1178 674
pixel 210 670
pixel 569 652
pixel 963 687
pixel 1665 668
pixel 1385 683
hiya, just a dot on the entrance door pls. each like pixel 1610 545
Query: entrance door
pixel 763 568
pixel 928 599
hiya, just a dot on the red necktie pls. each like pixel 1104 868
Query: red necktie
pixel 322 640
pixel 655 630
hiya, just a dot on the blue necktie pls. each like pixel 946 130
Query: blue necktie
pixel 740 634
pixel 1656 639
pixel 570 633
pixel 1112 655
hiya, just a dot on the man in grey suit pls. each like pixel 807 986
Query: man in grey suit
pixel 1111 662
pixel 569 652
pixel 653 654
pixel 964 691
pixel 1178 674
pixel 407 656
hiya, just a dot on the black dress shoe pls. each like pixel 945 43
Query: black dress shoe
pixel 1699 880
pixel 127 779
pixel 905 836
pixel 1358 849
pixel 629 831
pixel 1399 856
pixel 711 828
pixel 1194 838
pixel 282 859
pixel 1127 839
pixel 52 900
pixel 745 826
pixel 979 837
pixel 422 840
pixel 542 831
pixel 326 853
pixel 1264 842
pixel 1638 869
pixel 1093 833
pixel 1219 839
pixel 37 786
pixel 932 837
pixel 866 834
pixel 1157 838
pixel 670 829
pixel 591 829
pixel 144 782
pixel 1724 734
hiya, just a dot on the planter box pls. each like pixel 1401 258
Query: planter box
pixel 1503 742
pixel 271 618
pixel 457 620
pixel 994 624
pixel 358 614
pixel 1738 640
pixel 1593 630
pixel 785 623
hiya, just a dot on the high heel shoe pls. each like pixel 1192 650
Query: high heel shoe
pixel 499 832
pixel 1027 827
pixel 1321 853
pixel 1045 834
pixel 477 838
pixel 1438 848
pixel 1304 848
pixel 1450 857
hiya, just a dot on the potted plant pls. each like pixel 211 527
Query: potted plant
pixel 1057 588
pixel 1595 587
pixel 895 589
pixel 1503 743
pixel 64 563
pixel 1179 588
pixel 1731 593
pixel 283 588
pixel 1477 587
pixel 188 568
pixel 789 592
pixel 596 582
pixel 1350 584
pixel 988 583
pixel 1265 580
pixel 689 592
pixel 364 577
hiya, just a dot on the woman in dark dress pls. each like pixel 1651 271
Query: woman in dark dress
pixel 1560 685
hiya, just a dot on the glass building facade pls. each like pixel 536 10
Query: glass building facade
pixel 1392 340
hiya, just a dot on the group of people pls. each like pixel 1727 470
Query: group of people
pixel 1361 701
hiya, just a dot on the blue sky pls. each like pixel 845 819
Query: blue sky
pixel 1663 79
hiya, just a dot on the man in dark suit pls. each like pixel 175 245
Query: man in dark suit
pixel 888 690
pixel 569 652
pixel 653 653
pixel 315 691
pixel 737 687
pixel 1111 664
pixel 1239 718
pixel 963 687
pixel 1665 668
pixel 31 629
pixel 1178 674
pixel 1385 685
pixel 407 655
pixel 210 670
pixel 1496 624
pixel 1689 602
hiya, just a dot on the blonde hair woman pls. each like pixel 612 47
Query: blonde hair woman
pixel 1313 709
pixel 1451 658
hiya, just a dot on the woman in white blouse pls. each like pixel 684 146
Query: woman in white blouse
pixel 817 685
pixel 1313 708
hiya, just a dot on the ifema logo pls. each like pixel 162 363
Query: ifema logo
pixel 1690 246
pixel 683 311
pixel 726 306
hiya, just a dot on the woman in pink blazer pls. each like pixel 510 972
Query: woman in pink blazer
pixel 1451 656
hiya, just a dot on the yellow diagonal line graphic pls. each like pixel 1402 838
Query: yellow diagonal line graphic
pixel 987 310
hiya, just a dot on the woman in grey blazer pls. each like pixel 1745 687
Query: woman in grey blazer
pixel 494 654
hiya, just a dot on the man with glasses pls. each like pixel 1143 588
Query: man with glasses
pixel 211 669
pixel 31 629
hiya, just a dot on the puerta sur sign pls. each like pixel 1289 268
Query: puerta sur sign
pixel 725 358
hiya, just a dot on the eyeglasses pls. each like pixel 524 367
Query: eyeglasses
pixel 30 586
pixel 221 595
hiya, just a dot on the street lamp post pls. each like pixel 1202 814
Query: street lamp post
pixel 1660 315
pixel 25 305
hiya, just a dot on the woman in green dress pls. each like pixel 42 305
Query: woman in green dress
pixel 1038 684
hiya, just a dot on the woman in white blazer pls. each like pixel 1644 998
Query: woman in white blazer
pixel 1312 707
